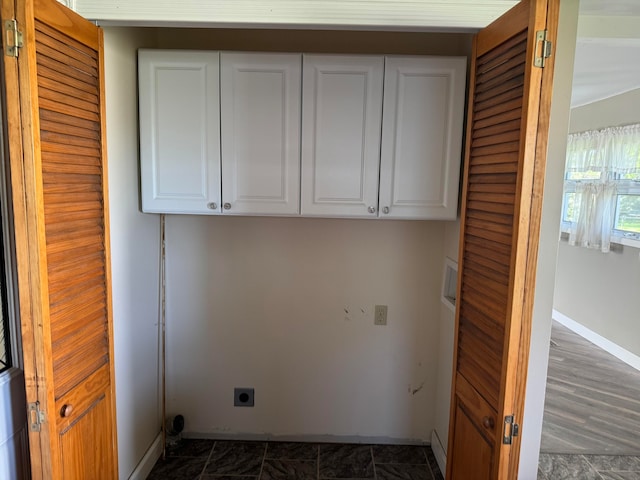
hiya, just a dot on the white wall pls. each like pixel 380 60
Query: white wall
pixel 564 52
pixel 599 290
pixel 446 337
pixel 286 306
pixel 134 256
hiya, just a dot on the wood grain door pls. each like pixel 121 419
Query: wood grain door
pixel 55 93
pixel 507 129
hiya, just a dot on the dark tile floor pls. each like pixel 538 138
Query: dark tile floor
pixel 231 460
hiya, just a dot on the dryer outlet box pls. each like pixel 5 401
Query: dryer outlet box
pixel 243 397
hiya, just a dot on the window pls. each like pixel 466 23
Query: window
pixel 601 198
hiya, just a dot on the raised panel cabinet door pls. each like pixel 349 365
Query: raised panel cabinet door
pixel 422 137
pixel 57 144
pixel 505 158
pixel 260 115
pixel 341 118
pixel 179 101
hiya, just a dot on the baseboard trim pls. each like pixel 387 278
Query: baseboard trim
pixel 264 437
pixel 143 469
pixel 438 451
pixel 626 356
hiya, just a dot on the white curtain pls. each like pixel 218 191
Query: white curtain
pixel 597 162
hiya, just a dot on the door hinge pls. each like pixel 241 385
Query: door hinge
pixel 510 430
pixel 13 39
pixel 545 48
pixel 36 416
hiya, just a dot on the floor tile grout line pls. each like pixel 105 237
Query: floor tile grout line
pixel 373 463
pixel 264 457
pixel 426 457
pixel 204 467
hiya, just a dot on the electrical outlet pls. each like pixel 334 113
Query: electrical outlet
pixel 380 315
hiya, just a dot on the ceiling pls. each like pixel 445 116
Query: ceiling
pixel 607 58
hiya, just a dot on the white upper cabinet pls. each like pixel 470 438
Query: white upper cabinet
pixel 179 131
pixel 260 117
pixel 422 137
pixel 287 134
pixel 341 118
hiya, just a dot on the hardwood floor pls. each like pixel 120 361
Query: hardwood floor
pixel 593 400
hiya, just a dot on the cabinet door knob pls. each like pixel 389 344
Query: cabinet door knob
pixel 227 206
pixel 488 422
pixel 371 209
pixel 212 206
pixel 66 410
pixel 385 210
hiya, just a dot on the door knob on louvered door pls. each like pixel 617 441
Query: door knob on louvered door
pixel 488 422
pixel 66 410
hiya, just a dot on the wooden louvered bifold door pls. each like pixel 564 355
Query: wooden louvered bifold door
pixel 489 216
pixel 500 209
pixel 64 273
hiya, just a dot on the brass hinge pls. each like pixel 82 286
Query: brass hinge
pixel 13 40
pixel 510 430
pixel 545 48
pixel 36 417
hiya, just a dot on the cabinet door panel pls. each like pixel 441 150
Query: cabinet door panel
pixel 422 137
pixel 342 102
pixel 261 133
pixel 179 131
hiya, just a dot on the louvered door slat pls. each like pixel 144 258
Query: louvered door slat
pixel 72 47
pixel 487 267
pixel 64 158
pixel 506 50
pixel 65 323
pixel 82 65
pixel 70 110
pixel 493 187
pixel 65 99
pixel 50 69
pixel 75 170
pixel 52 139
pixel 87 277
pixel 497 129
pixel 63 120
pixel 499 98
pixel 55 86
pixel 58 127
pixel 510 86
pixel 494 108
pixel 515 114
pixel 510 136
pixel 497 252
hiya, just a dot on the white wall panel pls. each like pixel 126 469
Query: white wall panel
pixel 134 258
pixel 285 305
